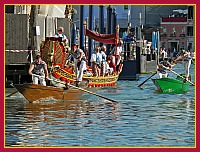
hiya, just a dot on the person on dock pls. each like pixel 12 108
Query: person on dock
pixel 38 70
pixel 79 62
pixel 161 68
pixel 186 60
pixel 65 42
pixel 60 33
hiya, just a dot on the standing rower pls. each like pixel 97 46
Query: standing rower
pixel 38 70
pixel 186 60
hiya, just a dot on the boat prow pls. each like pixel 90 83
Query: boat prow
pixel 34 92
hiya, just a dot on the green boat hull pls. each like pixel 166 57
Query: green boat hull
pixel 171 85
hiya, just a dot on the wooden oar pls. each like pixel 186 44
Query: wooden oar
pixel 11 94
pixel 146 79
pixel 42 77
pixel 98 95
pixel 181 76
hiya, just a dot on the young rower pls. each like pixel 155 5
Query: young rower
pixel 161 68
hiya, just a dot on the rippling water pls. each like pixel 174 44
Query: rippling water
pixel 141 118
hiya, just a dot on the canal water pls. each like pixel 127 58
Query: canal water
pixel 142 117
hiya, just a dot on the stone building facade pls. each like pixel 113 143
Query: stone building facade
pixel 177 32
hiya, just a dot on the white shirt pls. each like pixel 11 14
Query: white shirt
pixel 61 35
pixel 107 67
pixel 96 57
pixel 118 51
pixel 103 56
pixel 77 53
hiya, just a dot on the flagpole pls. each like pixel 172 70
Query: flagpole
pixel 85 26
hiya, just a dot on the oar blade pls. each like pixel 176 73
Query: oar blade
pixel 146 80
pixel 12 93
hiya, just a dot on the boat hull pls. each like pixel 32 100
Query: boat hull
pixel 68 77
pixel 170 85
pixel 33 92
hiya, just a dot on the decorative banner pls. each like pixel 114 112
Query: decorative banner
pixel 153 40
pixel 158 40
pixel 103 38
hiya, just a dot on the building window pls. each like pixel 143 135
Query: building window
pixel 125 7
pixel 9 8
pixel 163 45
pixel 190 12
pixel 190 46
pixel 173 31
pixel 164 30
pixel 183 45
pixel 183 30
pixel 189 31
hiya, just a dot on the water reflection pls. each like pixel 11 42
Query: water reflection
pixel 31 120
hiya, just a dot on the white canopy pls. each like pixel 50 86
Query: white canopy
pixel 53 10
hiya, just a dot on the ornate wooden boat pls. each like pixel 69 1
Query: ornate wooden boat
pixel 171 85
pixel 69 76
pixel 33 92
pixel 54 53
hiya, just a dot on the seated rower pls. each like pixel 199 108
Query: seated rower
pixel 161 68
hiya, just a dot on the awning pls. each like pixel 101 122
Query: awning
pixel 102 38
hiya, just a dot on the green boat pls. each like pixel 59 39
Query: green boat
pixel 171 85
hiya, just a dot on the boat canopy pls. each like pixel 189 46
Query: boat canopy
pixel 102 38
